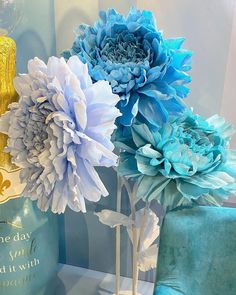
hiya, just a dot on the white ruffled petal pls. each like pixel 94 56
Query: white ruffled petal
pixel 59 131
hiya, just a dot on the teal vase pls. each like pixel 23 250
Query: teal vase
pixel 28 249
pixel 28 237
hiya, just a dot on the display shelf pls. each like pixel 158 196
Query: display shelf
pixel 79 281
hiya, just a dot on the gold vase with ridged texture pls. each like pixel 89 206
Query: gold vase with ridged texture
pixel 7 91
pixel 10 186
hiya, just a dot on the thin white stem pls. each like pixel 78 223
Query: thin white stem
pixel 144 220
pixel 135 262
pixel 141 233
pixel 128 189
pixel 118 239
pixel 132 198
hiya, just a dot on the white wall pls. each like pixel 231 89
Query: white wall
pixel 68 15
pixel 228 109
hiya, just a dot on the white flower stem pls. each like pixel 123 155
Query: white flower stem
pixel 144 220
pixel 135 262
pixel 135 242
pixel 118 208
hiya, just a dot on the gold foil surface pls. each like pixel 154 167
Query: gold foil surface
pixel 7 91
pixel 10 184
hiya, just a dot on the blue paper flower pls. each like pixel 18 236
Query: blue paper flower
pixel 186 160
pixel 148 72
pixel 59 131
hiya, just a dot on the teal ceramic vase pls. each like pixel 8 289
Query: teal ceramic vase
pixel 28 249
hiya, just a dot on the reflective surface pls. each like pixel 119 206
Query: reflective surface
pixel 11 12
pixel 28 249
pixel 80 281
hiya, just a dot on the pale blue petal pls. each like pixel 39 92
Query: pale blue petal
pixel 59 130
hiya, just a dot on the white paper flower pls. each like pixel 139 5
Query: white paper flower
pixel 148 230
pixel 59 131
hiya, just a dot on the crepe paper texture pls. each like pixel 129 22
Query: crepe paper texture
pixel 186 161
pixel 197 252
pixel 147 71
pixel 147 224
pixel 59 131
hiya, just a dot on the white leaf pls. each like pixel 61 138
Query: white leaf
pixel 112 218
pixel 146 222
pixel 148 259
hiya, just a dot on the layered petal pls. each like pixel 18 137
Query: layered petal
pixel 185 161
pixel 132 55
pixel 59 131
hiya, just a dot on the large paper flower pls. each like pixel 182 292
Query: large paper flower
pixel 59 131
pixel 186 160
pixel 147 71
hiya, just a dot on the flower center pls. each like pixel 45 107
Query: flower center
pixel 35 135
pixel 196 140
pixel 123 49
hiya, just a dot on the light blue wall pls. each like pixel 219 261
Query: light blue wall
pixel 35 36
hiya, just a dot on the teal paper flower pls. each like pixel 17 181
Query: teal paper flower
pixel 147 71
pixel 187 160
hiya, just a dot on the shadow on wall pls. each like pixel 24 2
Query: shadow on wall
pixel 35 36
pixel 29 45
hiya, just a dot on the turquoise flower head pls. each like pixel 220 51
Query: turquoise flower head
pixel 187 160
pixel 148 72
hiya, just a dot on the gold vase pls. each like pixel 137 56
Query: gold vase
pixel 7 91
pixel 10 185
